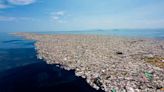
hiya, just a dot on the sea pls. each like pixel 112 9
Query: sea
pixel 22 71
pixel 146 33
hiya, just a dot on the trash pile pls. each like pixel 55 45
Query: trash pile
pixel 110 63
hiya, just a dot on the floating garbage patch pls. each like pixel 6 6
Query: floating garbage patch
pixel 110 63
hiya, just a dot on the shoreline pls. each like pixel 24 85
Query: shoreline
pixel 107 63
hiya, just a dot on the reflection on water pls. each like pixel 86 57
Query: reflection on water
pixel 9 41
pixel 15 51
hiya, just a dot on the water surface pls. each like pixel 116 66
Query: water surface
pixel 145 33
pixel 15 51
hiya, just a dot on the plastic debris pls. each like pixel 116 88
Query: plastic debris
pixel 149 75
pixel 119 53
pixel 113 90
pixel 162 89
pixel 162 61
pixel 97 82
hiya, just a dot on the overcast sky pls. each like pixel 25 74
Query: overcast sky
pixel 63 15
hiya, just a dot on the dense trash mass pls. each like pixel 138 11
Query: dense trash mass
pixel 110 63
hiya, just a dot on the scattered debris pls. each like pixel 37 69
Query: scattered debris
pixel 162 89
pixel 95 58
pixel 156 60
pixel 119 53
pixel 113 90
pixel 149 75
pixel 97 82
pixel 129 89
pixel 149 55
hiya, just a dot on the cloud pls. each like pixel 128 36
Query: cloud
pixel 31 19
pixel 3 6
pixel 7 18
pixel 9 3
pixel 57 16
pixel 60 13
pixel 11 18
pixel 21 2
pixel 62 21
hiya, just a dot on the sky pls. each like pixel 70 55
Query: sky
pixel 63 15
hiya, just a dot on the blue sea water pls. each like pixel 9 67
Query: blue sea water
pixel 15 51
pixel 8 40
